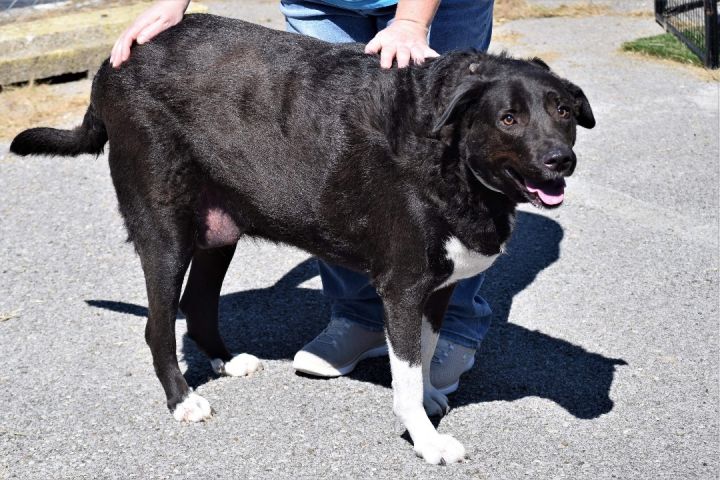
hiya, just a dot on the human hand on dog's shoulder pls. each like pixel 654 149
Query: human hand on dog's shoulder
pixel 158 18
pixel 406 37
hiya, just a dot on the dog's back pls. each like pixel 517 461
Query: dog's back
pixel 243 112
pixel 210 76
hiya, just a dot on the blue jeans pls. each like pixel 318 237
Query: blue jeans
pixel 458 24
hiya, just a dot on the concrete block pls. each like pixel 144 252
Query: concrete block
pixel 68 42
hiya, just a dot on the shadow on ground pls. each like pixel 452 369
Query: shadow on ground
pixel 513 362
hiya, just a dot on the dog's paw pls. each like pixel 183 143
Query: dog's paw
pixel 240 365
pixel 440 450
pixel 193 409
pixel 435 402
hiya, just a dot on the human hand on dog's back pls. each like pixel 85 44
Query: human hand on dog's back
pixel 159 17
pixel 406 37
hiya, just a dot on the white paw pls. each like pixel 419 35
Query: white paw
pixel 193 409
pixel 440 449
pixel 435 403
pixel 240 365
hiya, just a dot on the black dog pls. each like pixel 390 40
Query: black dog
pixel 219 128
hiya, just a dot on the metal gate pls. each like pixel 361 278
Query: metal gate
pixel 693 22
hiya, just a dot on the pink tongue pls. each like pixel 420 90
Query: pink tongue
pixel 550 194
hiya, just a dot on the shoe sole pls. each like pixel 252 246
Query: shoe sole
pixel 344 370
pixel 452 388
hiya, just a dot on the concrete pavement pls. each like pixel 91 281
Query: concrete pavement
pixel 602 361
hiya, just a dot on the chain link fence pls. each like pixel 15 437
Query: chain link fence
pixel 693 22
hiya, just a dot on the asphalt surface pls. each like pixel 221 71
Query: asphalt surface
pixel 602 361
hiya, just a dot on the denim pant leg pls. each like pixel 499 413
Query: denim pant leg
pixel 458 24
pixel 333 24
pixel 352 297
pixel 462 24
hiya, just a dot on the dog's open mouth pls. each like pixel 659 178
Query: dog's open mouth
pixel 546 193
pixel 550 193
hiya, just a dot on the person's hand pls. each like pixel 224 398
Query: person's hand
pixel 161 16
pixel 402 40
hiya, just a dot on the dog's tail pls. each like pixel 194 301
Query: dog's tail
pixel 89 137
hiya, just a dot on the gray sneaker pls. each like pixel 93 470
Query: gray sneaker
pixel 339 348
pixel 449 362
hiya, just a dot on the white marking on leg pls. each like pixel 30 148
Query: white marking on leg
pixel 466 262
pixel 434 401
pixel 239 366
pixel 193 409
pixel 407 382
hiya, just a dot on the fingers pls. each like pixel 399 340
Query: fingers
pixel 143 30
pixel 403 42
pixel 430 53
pixel 125 49
pixel 373 46
pixel 118 55
pixel 131 34
pixel 403 55
pixel 121 50
pixel 113 53
pixel 152 30
pixel 387 54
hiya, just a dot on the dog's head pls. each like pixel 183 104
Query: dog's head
pixel 515 124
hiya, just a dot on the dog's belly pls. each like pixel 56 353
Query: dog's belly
pixel 466 262
pixel 219 229
pixel 215 226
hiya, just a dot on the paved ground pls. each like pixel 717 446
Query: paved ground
pixel 602 361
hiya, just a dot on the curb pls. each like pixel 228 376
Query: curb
pixel 69 42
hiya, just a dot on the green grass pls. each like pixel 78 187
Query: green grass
pixel 663 46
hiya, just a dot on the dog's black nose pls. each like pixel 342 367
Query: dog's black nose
pixel 560 161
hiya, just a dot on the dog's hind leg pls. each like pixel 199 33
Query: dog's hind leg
pixel 200 299
pixel 404 320
pixel 200 305
pixel 165 249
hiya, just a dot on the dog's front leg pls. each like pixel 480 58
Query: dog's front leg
pixel 404 334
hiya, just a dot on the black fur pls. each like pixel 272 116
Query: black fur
pixel 89 137
pixel 219 128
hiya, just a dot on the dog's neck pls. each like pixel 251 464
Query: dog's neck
pixel 480 217
pixel 477 214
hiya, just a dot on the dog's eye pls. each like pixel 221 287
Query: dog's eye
pixel 563 111
pixel 508 120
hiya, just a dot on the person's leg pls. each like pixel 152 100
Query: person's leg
pixel 356 308
pixel 458 25
pixel 462 24
pixel 325 22
pixel 355 330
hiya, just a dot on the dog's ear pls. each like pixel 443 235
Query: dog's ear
pixel 583 112
pixel 463 95
pixel 540 63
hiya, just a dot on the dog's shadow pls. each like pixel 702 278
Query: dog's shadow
pixel 513 362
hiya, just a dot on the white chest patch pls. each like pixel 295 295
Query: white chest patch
pixel 466 263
